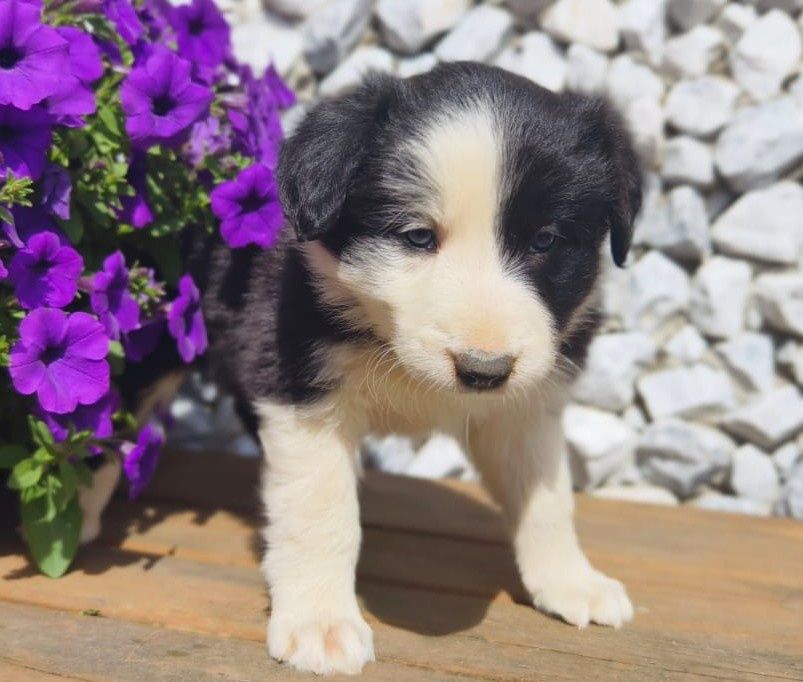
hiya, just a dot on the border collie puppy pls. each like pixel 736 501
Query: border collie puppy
pixel 449 232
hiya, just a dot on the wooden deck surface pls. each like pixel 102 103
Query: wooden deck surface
pixel 176 583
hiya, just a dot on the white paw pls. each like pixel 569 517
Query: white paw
pixel 585 597
pixel 324 647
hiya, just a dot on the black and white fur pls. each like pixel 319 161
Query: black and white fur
pixel 357 324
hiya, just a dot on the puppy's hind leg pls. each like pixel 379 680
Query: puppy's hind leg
pixel 313 539
pixel 523 462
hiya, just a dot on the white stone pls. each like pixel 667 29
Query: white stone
pixel 788 6
pixel 693 53
pixel 790 356
pixel 477 36
pixel 687 160
pixel 643 493
pixel 791 503
pixel 750 356
pixel 686 14
pixel 701 106
pixel 717 200
pixel 683 456
pixel 440 457
pixel 589 22
pixel 765 224
pixel 331 32
pixel 647 294
pixel 599 444
pixel 393 454
pixel 719 296
pixel 261 41
pixel 627 80
pixel 780 299
pixel 413 66
pixel 796 88
pixel 408 25
pixel 613 362
pixel 760 143
pixel 527 11
pixel 685 391
pixel 645 120
pixel 770 419
pixel 297 9
pixel 643 27
pixel 711 500
pixel 785 458
pixel 351 71
pixel 734 20
pixel 586 69
pixel 768 52
pixel 753 475
pixel 684 233
pixel 686 345
pixel 635 419
pixel 652 219
pixel 536 56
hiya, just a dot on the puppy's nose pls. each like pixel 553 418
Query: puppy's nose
pixel 482 371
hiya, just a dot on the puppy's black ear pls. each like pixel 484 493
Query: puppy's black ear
pixel 623 173
pixel 318 161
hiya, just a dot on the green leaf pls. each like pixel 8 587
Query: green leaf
pixel 53 542
pixel 25 474
pixel 116 358
pixel 69 485
pixel 40 433
pixel 10 455
pixel 5 216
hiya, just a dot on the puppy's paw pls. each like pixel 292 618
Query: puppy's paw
pixel 583 597
pixel 326 646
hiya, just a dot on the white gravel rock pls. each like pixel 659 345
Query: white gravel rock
pixel 786 458
pixel 647 294
pixel 393 454
pixel 652 219
pixel 412 66
pixel 685 391
pixel 686 14
pixel 684 233
pixel 779 296
pixel 788 6
pixel 686 345
pixel 701 106
pixel 713 500
pixel 628 80
pixel 791 503
pixel 586 69
pixel 751 358
pixel 261 40
pixel 408 25
pixel 645 120
pixel 790 356
pixel 440 457
pixel 590 22
pixel 477 36
pixel 734 20
pixel 687 161
pixel 760 143
pixel 719 294
pixel 770 419
pixel 331 32
pixel 765 224
pixel 599 444
pixel 297 9
pixel 613 362
pixel 643 493
pixel 643 27
pixel 683 456
pixel 537 57
pixel 753 475
pixel 693 53
pixel 527 11
pixel 353 69
pixel 768 52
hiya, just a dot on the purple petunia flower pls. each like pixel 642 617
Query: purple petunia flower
pixel 3 271
pixel 61 358
pixel 140 459
pixel 24 140
pixel 56 191
pixel 45 272
pixel 96 417
pixel 74 98
pixel 207 137
pixel 142 341
pixel 111 298
pixel 33 57
pixel 121 13
pixel 202 35
pixel 282 95
pixel 161 101
pixel 249 208
pixel 185 321
pixel 28 221
pixel 85 62
pixel 136 209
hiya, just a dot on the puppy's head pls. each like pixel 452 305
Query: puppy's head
pixel 459 217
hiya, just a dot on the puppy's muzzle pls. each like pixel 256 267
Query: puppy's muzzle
pixel 481 371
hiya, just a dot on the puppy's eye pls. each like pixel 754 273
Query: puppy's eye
pixel 543 241
pixel 421 239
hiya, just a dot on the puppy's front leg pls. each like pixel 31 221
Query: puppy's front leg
pixel 524 463
pixel 313 539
